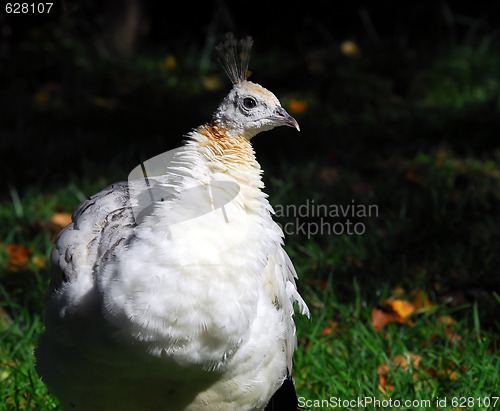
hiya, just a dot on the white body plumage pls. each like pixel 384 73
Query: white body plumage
pixel 176 313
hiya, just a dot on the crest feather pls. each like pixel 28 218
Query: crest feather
pixel 234 57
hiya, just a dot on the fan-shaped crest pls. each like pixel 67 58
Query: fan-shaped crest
pixel 234 57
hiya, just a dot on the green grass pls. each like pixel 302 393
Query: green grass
pixel 417 137
pixel 343 364
pixel 358 272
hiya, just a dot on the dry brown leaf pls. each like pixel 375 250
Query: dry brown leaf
pixel 402 308
pixel 452 337
pixel 394 310
pixel 39 261
pixel 420 300
pixel 18 256
pixel 381 318
pixel 56 223
pixel 330 328
pixel 450 371
pixel 446 323
pixel 61 219
pixel 400 362
pixel 297 106
pixel 444 320
pixel 383 381
pixel 383 385
pixel 383 368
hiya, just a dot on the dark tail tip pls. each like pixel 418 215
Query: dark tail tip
pixel 285 399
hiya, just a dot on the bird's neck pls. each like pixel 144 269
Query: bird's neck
pixel 228 154
pixel 226 157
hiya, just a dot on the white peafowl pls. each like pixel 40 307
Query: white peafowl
pixel 179 309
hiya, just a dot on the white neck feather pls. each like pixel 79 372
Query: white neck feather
pixel 227 158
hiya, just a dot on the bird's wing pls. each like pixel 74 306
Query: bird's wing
pixel 100 226
pixel 279 285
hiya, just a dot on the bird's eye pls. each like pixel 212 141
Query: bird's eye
pixel 249 103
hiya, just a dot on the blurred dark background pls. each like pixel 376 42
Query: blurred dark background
pixel 94 83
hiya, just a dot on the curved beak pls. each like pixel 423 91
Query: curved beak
pixel 284 119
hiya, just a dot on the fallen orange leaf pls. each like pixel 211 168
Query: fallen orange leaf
pixel 383 380
pixel 18 256
pixel 420 300
pixel 445 320
pixel 402 360
pixel 61 219
pixel 38 261
pixel 383 384
pixel 395 310
pixel 401 363
pixel 381 318
pixel 297 106
pixel 450 371
pixel 329 328
pixel 401 307
pixel 452 337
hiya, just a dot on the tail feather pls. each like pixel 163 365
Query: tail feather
pixel 285 399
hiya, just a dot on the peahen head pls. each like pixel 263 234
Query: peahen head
pixel 249 108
